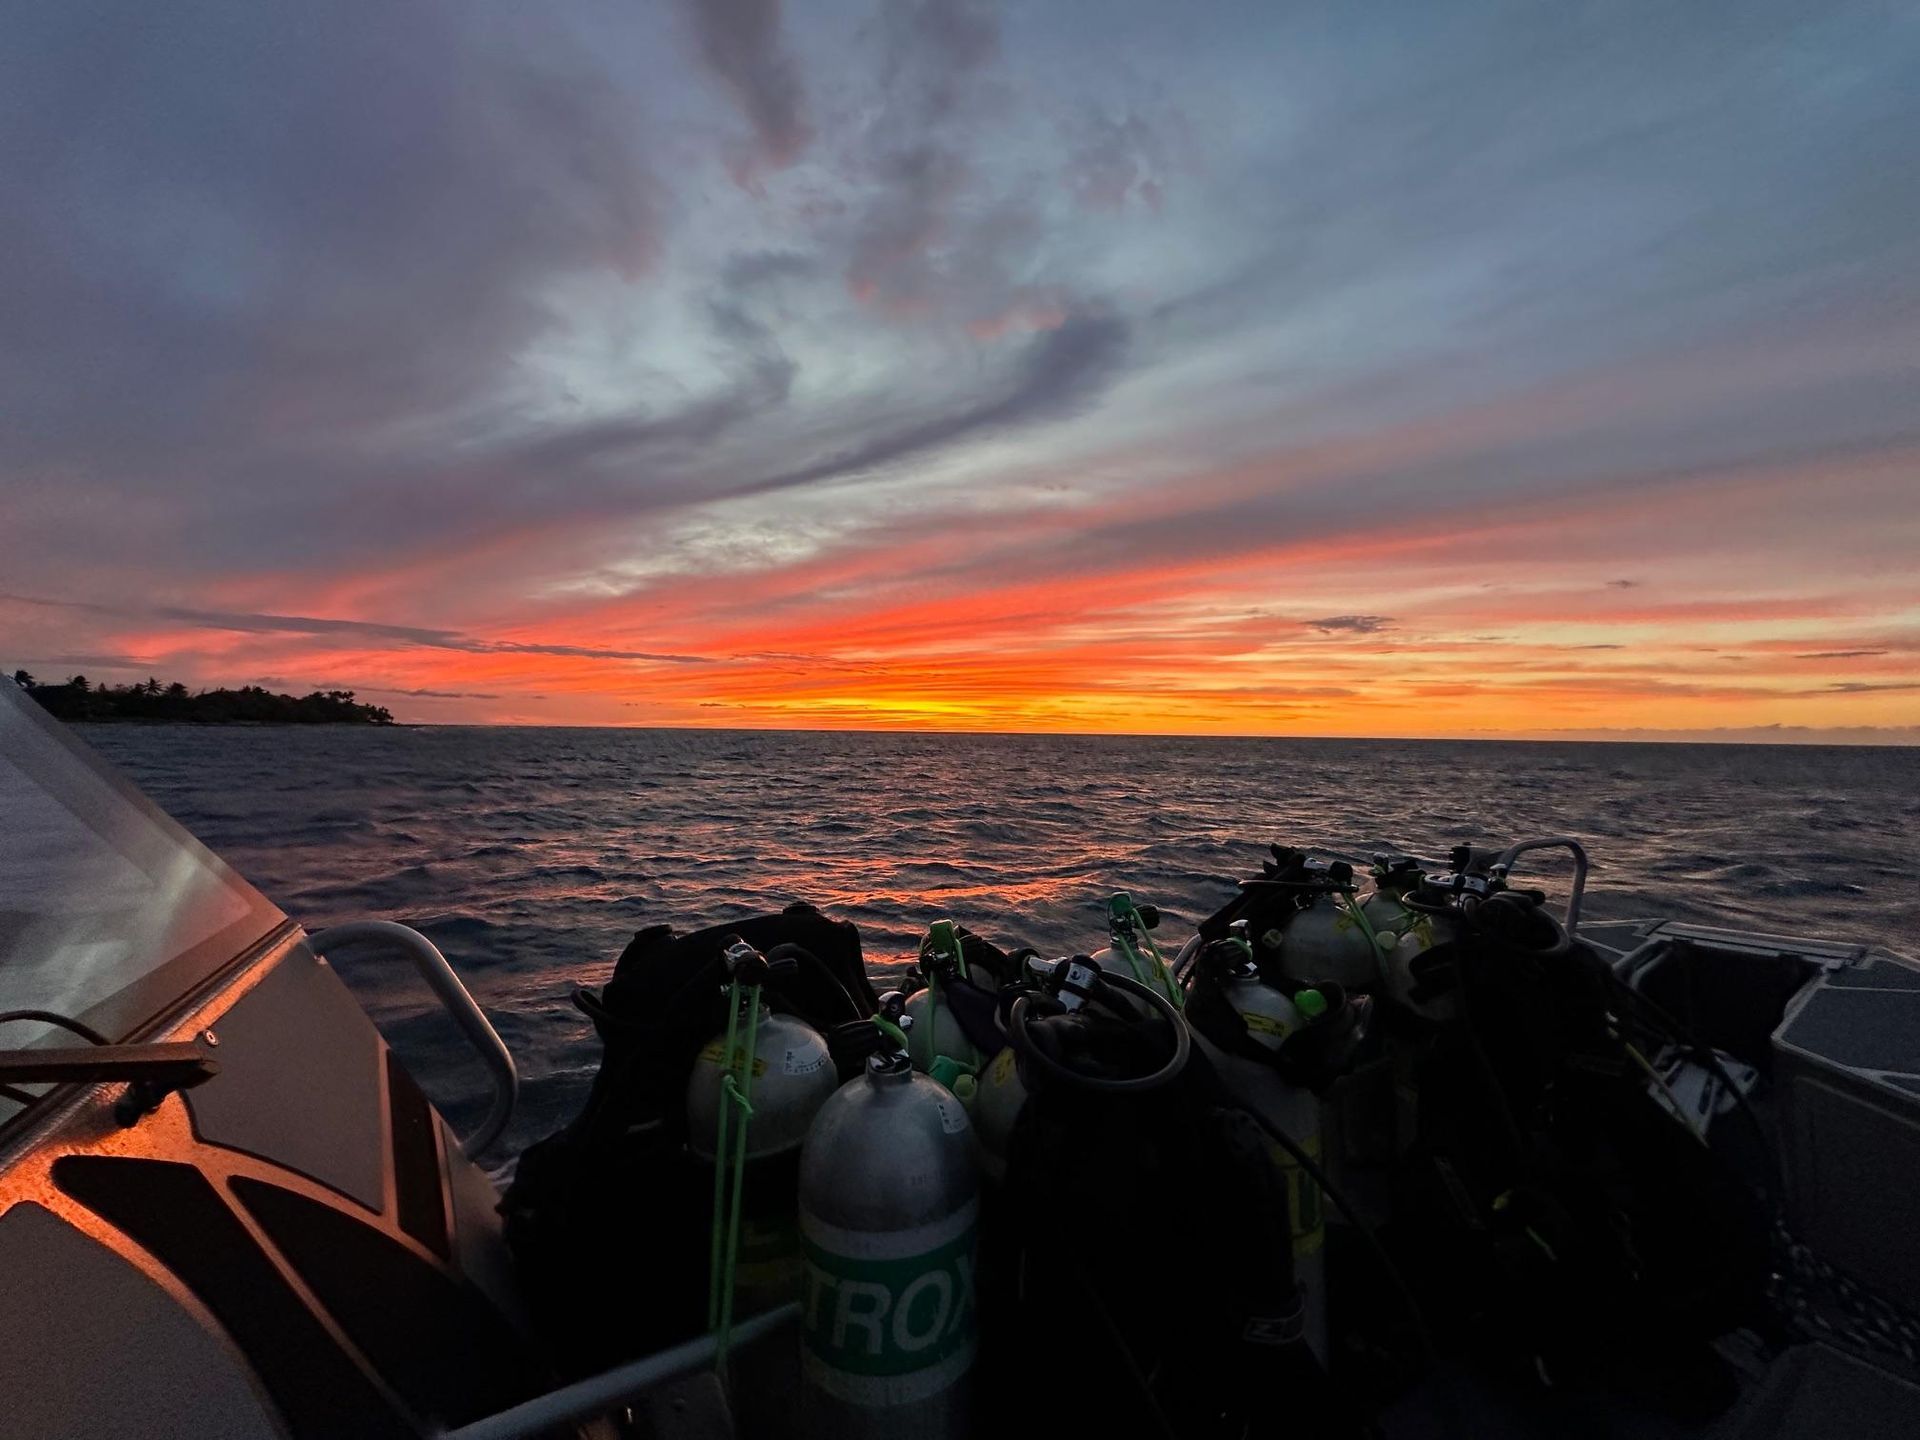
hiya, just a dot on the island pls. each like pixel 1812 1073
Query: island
pixel 78 699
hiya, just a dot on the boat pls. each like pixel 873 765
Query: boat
pixel 226 1209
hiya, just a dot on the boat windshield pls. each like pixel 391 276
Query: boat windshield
pixel 109 911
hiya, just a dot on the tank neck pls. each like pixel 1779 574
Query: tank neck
pixel 889 1069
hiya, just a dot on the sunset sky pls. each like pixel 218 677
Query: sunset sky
pixel 1260 368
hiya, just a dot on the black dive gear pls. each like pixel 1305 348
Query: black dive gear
pixel 592 1208
pixel 1126 1127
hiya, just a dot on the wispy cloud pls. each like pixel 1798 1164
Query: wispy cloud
pixel 742 44
pixel 408 635
pixel 926 364
pixel 1351 624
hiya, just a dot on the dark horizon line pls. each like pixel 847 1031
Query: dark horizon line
pixel 1673 736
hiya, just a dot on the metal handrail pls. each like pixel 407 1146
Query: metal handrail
pixel 617 1387
pixel 1504 863
pixel 458 1003
pixel 620 1386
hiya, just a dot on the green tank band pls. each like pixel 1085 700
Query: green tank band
pixel 885 1316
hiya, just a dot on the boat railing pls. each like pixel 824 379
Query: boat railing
pixel 1504 864
pixel 458 1002
pixel 620 1386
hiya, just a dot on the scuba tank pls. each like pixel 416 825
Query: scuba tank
pixel 1247 1056
pixel 1329 937
pixel 1602 1238
pixel 792 1077
pixel 1405 934
pixel 997 1102
pixel 889 1202
pixel 1130 942
pixel 936 1042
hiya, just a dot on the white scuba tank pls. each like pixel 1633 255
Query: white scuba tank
pixel 1294 1110
pixel 935 1035
pixel 1405 935
pixel 793 1076
pixel 996 1107
pixel 1327 942
pixel 889 1204
pixel 936 1041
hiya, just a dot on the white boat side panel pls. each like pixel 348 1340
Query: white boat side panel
pixel 479 1248
pixel 299 1080
pixel 95 1349
pixel 1762 942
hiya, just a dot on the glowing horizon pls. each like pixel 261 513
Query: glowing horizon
pixel 951 366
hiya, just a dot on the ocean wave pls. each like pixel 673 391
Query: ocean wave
pixel 531 856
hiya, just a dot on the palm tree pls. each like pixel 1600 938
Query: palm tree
pixel 152 687
pixel 176 691
pixel 79 684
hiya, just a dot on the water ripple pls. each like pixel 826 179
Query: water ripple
pixel 532 855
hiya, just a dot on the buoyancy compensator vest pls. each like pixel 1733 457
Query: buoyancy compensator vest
pixel 1579 1230
pixel 1001 1093
pixel 600 1213
pixel 1276 1045
pixel 1142 1243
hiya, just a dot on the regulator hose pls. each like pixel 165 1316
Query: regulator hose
pixel 804 959
pixel 1182 962
pixel 1026 1049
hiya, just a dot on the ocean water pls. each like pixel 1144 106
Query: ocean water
pixel 531 855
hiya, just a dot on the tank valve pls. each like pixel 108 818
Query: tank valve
pixel 744 963
pixel 1072 979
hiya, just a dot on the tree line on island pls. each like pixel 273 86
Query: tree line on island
pixel 78 698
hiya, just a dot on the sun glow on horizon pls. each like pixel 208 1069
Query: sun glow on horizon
pixel 953 366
